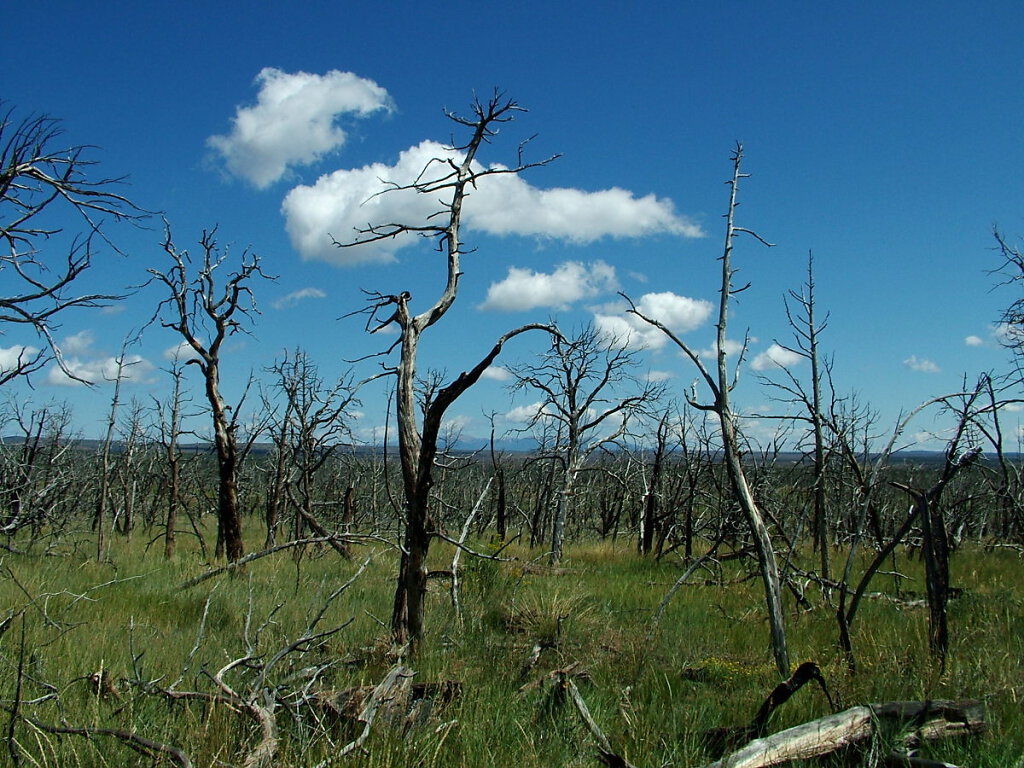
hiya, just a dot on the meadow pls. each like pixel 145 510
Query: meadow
pixel 91 650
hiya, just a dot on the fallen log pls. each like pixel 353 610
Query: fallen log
pixel 921 720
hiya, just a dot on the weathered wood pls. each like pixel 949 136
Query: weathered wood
pixel 928 721
pixel 388 694
pixel 604 748
pixel 819 737
pixel 720 740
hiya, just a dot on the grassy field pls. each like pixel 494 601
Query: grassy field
pixel 655 691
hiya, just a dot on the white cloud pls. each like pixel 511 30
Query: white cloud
pixel 514 207
pixel 98 371
pixel 78 343
pixel 732 348
pixel 496 373
pixel 525 289
pixel 457 423
pixel 524 413
pixel 375 434
pixel 776 356
pixel 11 357
pixel 921 364
pixel 974 341
pixel 679 314
pixel 341 203
pixel 640 277
pixel 656 377
pixel 180 352
pixel 295 297
pixel 293 122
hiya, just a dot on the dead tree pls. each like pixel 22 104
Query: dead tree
pixel 925 502
pixel 449 179
pixel 809 398
pixel 928 508
pixel 205 313
pixel 1012 273
pixel 721 383
pixel 588 394
pixel 103 492
pixel 171 416
pixel 39 176
pixel 308 432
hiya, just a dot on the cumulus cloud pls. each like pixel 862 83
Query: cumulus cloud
pixel 295 297
pixel 679 314
pixel 514 207
pixel 776 356
pixel 496 373
pixel 524 414
pixel 920 364
pixel 974 341
pixel 341 203
pixel 293 122
pixel 98 370
pixel 525 289
pixel 77 343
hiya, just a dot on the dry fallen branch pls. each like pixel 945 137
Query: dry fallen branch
pixel 923 721
pixel 392 688
pixel 140 744
pixel 335 538
pixel 605 752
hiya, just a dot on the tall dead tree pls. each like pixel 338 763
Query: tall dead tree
pixel 103 492
pixel 45 183
pixel 809 397
pixel 721 382
pixel 205 312
pixel 449 179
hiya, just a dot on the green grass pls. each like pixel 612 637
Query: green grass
pixel 655 693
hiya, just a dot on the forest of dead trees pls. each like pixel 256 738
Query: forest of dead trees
pixel 824 507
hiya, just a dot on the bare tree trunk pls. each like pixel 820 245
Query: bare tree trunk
pixel 650 507
pixel 229 522
pixel 197 309
pixel 171 428
pixel 103 492
pixel 721 383
pixel 448 179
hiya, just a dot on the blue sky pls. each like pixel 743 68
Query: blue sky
pixel 884 137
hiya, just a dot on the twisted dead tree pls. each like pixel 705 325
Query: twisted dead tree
pixel 449 179
pixel 205 312
pixel 721 382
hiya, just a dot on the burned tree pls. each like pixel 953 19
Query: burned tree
pixel 588 394
pixel 307 432
pixel 448 179
pixel 44 184
pixel 809 399
pixel 205 313
pixel 721 382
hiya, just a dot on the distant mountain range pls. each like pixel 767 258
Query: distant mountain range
pixel 473 445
